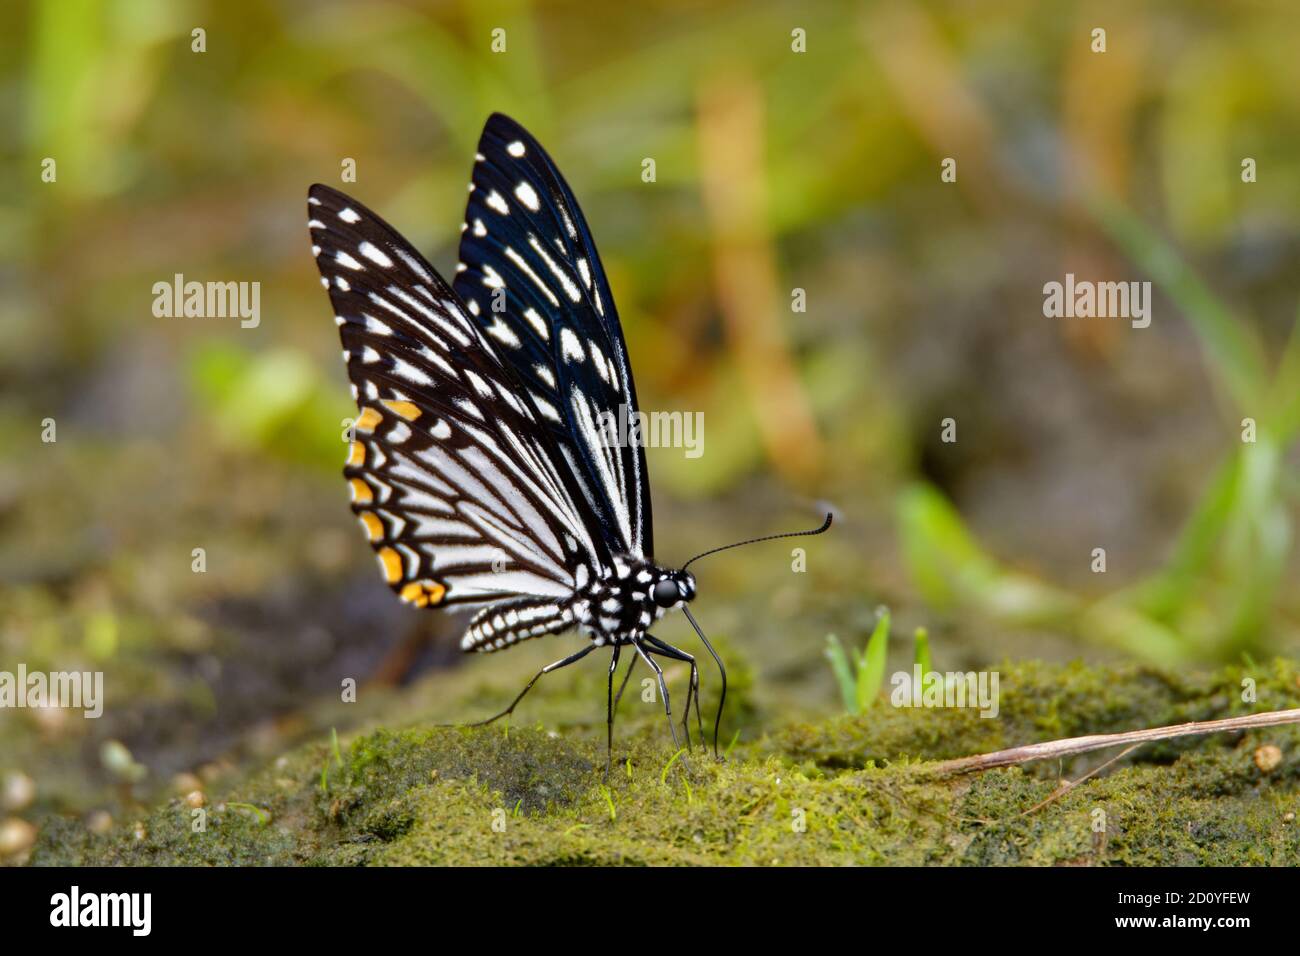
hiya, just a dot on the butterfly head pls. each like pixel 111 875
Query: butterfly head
pixel 674 590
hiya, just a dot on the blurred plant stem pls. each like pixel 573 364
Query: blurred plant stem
pixel 926 77
pixel 730 134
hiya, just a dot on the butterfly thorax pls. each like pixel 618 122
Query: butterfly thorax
pixel 624 601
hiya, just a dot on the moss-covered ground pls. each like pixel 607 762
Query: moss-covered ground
pixel 850 790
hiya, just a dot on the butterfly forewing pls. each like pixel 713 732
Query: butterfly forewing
pixel 463 493
pixel 532 280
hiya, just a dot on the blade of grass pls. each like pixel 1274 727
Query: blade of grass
pixel 843 673
pixel 1230 349
pixel 1169 589
pixel 921 650
pixel 871 667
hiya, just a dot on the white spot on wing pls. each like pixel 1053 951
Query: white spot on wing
pixel 375 255
pixel 409 372
pixel 528 196
pixel 537 323
pixel 503 333
pixel 527 270
pixel 598 357
pixel 570 347
pixel 480 386
pixel 546 408
pixel 569 288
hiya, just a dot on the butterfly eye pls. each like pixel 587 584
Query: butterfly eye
pixel 665 593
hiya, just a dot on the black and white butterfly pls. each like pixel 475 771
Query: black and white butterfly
pixel 481 469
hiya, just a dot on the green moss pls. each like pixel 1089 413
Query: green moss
pixel 843 791
pixel 1043 702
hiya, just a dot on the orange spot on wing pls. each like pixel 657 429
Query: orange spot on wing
pixel 407 410
pixel 390 562
pixel 357 455
pixel 361 492
pixel 368 419
pixel 374 527
pixel 423 593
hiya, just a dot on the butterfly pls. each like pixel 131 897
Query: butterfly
pixel 481 467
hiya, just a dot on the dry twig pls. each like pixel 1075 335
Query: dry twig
pixel 1078 745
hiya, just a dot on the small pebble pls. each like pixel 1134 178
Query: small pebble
pixel 184 783
pixel 16 836
pixel 195 798
pixel 139 830
pixel 1288 817
pixel 1268 757
pixel 19 791
pixel 118 761
pixel 99 822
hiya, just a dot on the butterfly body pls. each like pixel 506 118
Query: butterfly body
pixel 620 607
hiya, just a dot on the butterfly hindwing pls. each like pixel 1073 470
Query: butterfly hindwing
pixel 462 492
pixel 531 278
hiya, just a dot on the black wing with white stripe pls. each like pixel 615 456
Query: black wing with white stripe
pixel 530 276
pixel 464 495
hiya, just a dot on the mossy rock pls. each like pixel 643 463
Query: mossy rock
pixel 852 790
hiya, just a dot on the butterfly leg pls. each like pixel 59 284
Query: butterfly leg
pixel 717 720
pixel 663 689
pixel 572 658
pixel 622 687
pixel 609 710
pixel 667 650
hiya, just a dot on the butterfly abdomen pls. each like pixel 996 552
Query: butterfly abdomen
pixel 502 625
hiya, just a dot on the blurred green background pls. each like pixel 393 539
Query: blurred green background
pixel 776 171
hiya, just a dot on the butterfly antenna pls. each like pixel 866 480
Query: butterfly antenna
pixel 767 537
